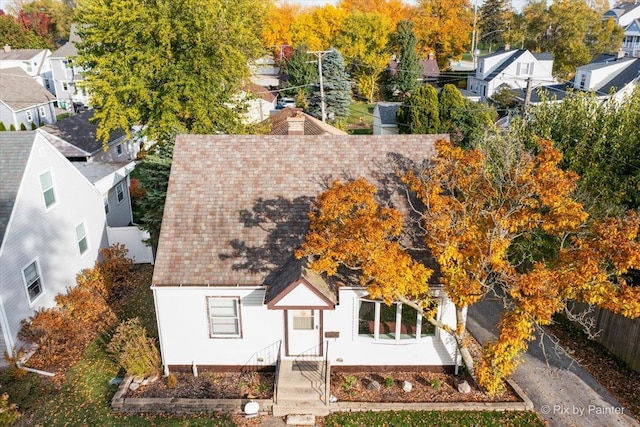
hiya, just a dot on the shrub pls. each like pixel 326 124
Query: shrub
pixel 50 329
pixel 2 127
pixel 22 126
pixel 389 382
pixel 172 381
pixel 115 268
pixel 12 127
pixel 349 382
pixel 435 383
pixel 88 307
pixel 133 350
pixel 136 191
pixel 34 126
pixel 8 411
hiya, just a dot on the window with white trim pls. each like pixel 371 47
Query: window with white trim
pixel 119 149
pixel 46 184
pixel 81 236
pixel 43 112
pixel 583 80
pixel 224 317
pixel 105 200
pixel 65 87
pixel 120 192
pixel 32 281
pixel 395 322
pixel 29 116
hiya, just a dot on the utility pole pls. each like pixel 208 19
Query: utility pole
pixel 320 54
pixel 473 35
pixel 527 100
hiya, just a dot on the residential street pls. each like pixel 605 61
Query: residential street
pixel 563 392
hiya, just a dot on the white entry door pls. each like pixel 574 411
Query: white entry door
pixel 303 333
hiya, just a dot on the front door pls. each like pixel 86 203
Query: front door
pixel 303 333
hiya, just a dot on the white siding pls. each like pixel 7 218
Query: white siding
pixel 184 327
pixel 49 235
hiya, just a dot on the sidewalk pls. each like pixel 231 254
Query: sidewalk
pixel 563 392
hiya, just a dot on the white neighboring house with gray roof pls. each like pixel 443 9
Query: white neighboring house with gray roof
pixel 384 118
pixel 52 224
pixel 23 101
pixel 627 15
pixel 510 69
pixel 68 77
pixel 34 62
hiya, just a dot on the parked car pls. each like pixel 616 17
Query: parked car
pixel 286 102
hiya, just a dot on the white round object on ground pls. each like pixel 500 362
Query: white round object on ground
pixel 251 408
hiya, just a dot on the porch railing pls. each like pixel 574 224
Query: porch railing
pixel 275 383
pixel 327 374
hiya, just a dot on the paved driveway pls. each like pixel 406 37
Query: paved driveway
pixel 563 392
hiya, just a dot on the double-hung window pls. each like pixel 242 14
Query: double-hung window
pixel 32 281
pixel 81 236
pixel 120 192
pixel 395 322
pixel 46 184
pixel 119 150
pixel 29 116
pixel 224 317
pixel 43 112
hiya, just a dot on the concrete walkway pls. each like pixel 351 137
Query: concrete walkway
pixel 562 391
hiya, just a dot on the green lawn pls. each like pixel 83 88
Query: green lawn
pixel 435 418
pixel 360 119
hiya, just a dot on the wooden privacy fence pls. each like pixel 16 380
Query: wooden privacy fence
pixel 619 334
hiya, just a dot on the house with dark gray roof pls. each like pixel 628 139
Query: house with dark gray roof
pixel 607 75
pixel 229 293
pixel 34 62
pixel 68 77
pixel 52 224
pixel 627 15
pixel 510 69
pixel 23 101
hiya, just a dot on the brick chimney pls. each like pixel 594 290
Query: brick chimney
pixel 6 48
pixel 295 124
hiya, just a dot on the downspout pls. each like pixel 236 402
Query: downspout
pixel 4 323
pixel 162 353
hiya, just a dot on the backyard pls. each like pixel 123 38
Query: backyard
pixel 82 396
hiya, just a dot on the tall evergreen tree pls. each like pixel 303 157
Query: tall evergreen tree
pixel 337 89
pixel 408 70
pixel 493 20
pixel 419 114
pixel 301 71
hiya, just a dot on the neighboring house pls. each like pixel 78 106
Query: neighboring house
pixel 108 170
pixel 260 102
pixel 265 72
pixel 52 224
pixel 607 75
pixel 76 138
pixel 34 62
pixel 627 15
pixel 293 121
pixel 229 293
pixel 68 78
pixel 430 69
pixel 510 69
pixel 384 118
pixel 23 101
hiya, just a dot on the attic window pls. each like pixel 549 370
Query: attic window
pixel 397 322
pixel 583 81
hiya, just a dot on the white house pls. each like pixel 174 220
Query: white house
pixel 34 62
pixel 23 101
pixel 260 102
pixel 384 118
pixel 228 292
pixel 67 76
pixel 511 69
pixel 627 15
pixel 52 224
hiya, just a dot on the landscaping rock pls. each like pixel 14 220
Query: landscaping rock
pixel 153 379
pixel 138 379
pixel 374 385
pixel 145 381
pixel 407 386
pixel 134 386
pixel 464 387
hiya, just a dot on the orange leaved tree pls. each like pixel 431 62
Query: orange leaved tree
pixel 501 219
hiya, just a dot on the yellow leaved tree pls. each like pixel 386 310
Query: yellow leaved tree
pixel 500 218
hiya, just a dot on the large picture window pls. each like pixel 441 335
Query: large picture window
pixel 394 322
pixel 32 280
pixel 224 317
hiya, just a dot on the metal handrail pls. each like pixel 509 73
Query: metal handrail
pixel 277 373
pixel 327 374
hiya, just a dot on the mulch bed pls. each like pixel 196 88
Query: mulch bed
pixel 211 385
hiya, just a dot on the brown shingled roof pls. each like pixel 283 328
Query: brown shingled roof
pixel 312 126
pixel 237 206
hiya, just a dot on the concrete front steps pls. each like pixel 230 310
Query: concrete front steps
pixel 300 389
